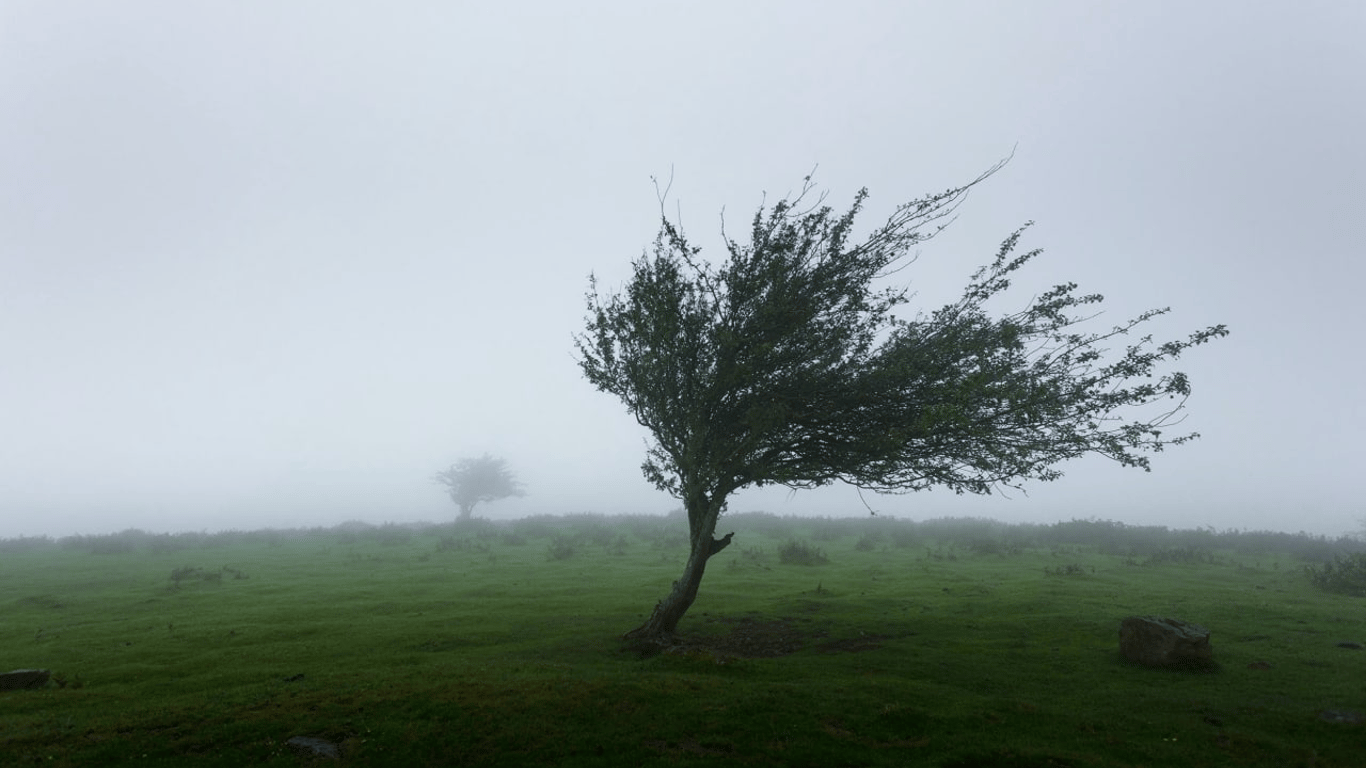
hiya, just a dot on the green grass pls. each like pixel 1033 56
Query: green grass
pixel 489 645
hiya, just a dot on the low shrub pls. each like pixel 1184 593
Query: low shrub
pixel 26 544
pixel 190 573
pixel 829 531
pixel 800 553
pixel 1185 555
pixel 389 535
pixel 867 542
pixel 166 543
pixel 750 557
pixel 452 544
pixel 1344 575
pixel 561 548
pixel 941 553
pixel 903 535
pixel 983 545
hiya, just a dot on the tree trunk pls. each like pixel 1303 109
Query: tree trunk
pixel 659 628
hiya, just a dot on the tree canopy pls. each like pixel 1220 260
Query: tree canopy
pixel 473 480
pixel 788 363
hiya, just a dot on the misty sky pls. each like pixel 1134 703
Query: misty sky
pixel 275 264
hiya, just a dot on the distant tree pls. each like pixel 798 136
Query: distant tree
pixel 787 365
pixel 470 481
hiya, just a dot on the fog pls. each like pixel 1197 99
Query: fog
pixel 275 264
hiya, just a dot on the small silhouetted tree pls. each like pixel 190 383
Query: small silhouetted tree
pixel 787 365
pixel 470 481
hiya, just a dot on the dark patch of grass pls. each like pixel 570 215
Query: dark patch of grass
pixel 44 602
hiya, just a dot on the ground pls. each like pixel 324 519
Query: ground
pixel 750 637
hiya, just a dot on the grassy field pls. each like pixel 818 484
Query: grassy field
pixel 947 643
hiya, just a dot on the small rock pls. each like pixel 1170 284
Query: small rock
pixel 1350 645
pixel 1163 642
pixel 21 679
pixel 315 747
pixel 1346 716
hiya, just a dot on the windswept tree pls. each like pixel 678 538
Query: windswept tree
pixel 470 481
pixel 788 364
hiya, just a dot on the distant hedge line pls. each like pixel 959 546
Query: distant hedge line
pixel 978 535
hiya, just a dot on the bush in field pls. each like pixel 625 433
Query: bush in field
pixel 758 523
pixel 591 529
pixel 1185 555
pixel 750 557
pixel 800 553
pixel 903 535
pixel 1344 574
pixel 671 539
pixel 535 526
pixel 198 574
pixel 452 544
pixel 25 544
pixel 561 548
pixel 645 527
pixel 390 535
pixel 992 546
pixel 190 573
pixel 941 553
pixel 167 543
pixel 119 543
pixel 867 542
pixel 828 531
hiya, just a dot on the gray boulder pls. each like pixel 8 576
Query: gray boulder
pixel 1161 642
pixel 20 679
pixel 315 747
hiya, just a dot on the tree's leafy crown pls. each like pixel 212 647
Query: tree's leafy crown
pixel 475 480
pixel 787 365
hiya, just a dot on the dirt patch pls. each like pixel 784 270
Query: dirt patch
pixel 689 747
pixel 755 638
pixel 864 642
pixel 751 637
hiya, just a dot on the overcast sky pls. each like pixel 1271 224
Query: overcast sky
pixel 276 263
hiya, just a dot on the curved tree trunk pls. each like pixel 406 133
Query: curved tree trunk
pixel 659 628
